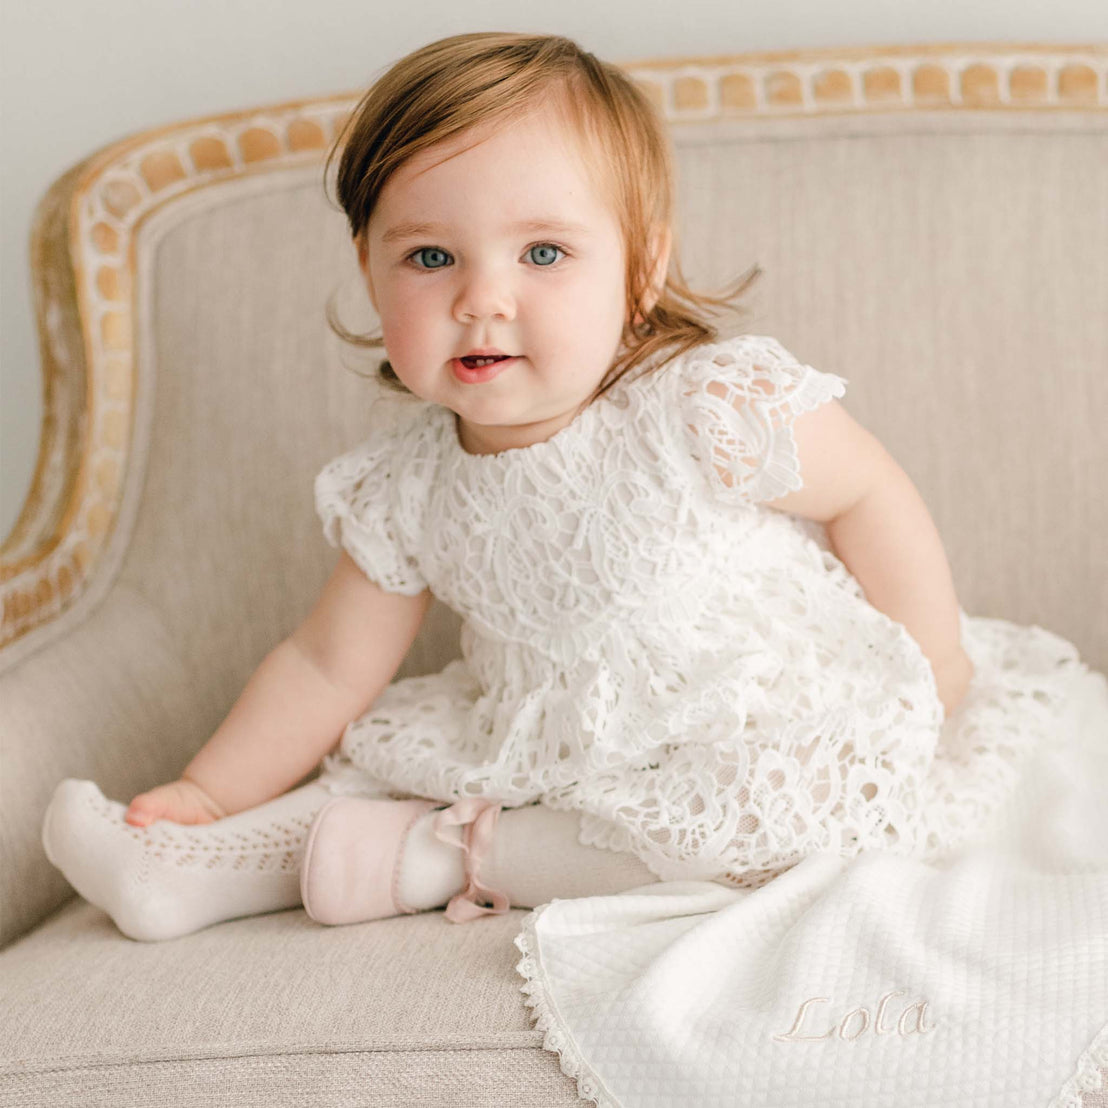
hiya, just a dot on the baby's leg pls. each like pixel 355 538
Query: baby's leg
pixel 169 879
pixel 534 857
pixel 527 855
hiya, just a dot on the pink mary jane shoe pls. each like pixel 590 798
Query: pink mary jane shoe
pixel 352 858
pixel 355 848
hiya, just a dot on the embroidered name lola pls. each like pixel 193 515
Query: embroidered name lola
pixel 912 1021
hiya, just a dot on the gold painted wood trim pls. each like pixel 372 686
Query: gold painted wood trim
pixel 85 227
pixel 930 77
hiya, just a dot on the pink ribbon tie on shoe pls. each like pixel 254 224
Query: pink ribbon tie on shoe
pixel 478 817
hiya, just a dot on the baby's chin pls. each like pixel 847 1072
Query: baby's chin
pixel 485 433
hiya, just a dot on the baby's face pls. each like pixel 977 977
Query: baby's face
pixel 551 298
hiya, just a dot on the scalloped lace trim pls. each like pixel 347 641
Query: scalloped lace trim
pixel 1088 1077
pixel 556 1038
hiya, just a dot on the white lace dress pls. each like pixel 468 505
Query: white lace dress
pixel 647 643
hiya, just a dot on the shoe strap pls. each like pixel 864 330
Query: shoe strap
pixel 477 817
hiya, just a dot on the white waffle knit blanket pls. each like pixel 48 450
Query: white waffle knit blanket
pixel 875 981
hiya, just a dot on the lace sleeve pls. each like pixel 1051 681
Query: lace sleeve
pixel 370 500
pixel 740 398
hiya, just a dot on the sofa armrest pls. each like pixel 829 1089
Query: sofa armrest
pixel 111 700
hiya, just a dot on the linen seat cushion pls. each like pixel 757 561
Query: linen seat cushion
pixel 274 1010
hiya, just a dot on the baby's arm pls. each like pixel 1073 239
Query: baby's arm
pixel 297 703
pixel 880 528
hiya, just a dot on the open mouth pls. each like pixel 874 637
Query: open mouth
pixel 476 363
pixel 476 371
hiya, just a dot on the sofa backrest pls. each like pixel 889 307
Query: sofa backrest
pixel 931 224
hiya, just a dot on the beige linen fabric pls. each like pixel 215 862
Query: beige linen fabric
pixel 274 1010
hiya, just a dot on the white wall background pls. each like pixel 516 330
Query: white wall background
pixel 75 76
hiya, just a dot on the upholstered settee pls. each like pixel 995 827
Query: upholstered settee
pixel 932 223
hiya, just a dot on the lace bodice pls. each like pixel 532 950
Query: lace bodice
pixel 643 639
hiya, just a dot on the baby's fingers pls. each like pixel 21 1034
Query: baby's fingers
pixel 174 802
pixel 180 802
pixel 146 808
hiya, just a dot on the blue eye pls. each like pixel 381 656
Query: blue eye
pixel 428 250
pixel 546 246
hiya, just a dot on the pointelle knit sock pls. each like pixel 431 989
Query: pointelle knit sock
pixel 170 879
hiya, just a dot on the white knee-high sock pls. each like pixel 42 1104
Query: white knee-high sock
pixel 431 871
pixel 535 856
pixel 168 879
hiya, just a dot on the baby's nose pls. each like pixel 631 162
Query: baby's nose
pixel 485 296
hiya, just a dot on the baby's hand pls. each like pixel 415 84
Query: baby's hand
pixel 181 801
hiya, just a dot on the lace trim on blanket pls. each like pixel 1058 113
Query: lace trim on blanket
pixel 1088 1078
pixel 544 1017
